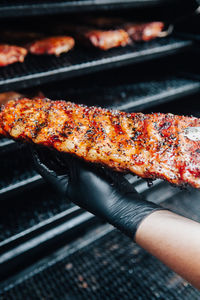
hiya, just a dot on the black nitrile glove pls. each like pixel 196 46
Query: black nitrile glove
pixel 102 192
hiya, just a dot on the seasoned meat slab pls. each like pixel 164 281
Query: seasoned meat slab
pixel 10 54
pixel 151 145
pixel 51 45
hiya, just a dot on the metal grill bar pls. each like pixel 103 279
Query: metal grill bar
pixel 71 211
pixel 17 173
pixel 131 97
pixel 31 210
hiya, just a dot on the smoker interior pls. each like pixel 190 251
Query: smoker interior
pixel 118 89
pixel 51 248
pixel 105 264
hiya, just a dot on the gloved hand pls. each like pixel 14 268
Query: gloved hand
pixel 102 192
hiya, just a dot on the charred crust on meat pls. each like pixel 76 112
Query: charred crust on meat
pixel 149 145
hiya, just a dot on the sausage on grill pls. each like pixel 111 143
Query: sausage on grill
pixel 151 145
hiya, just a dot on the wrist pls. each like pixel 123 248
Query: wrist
pixel 150 222
pixel 129 212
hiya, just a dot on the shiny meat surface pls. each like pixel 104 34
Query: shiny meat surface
pixel 102 39
pixel 51 45
pixel 107 39
pixel 144 31
pixel 151 145
pixel 10 54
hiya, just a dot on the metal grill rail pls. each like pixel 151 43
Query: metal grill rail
pixel 18 8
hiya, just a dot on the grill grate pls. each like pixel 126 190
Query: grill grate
pixel 133 96
pixel 108 267
pixel 5 143
pixel 33 208
pixel 17 172
pixel 40 69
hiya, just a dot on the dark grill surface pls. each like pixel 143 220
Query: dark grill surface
pixel 7 145
pixel 40 69
pixel 192 31
pixel 32 208
pixel 10 8
pixel 4 142
pixel 16 171
pixel 111 267
pixel 22 3
pixel 135 96
pixel 23 173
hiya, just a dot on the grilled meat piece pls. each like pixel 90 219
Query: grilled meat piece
pixel 151 145
pixel 10 54
pixel 51 45
pixel 143 31
pixel 102 39
pixel 107 39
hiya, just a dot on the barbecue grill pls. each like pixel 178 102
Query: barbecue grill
pixel 50 248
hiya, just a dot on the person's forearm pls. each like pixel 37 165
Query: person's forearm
pixel 175 241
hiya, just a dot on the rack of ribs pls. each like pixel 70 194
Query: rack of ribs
pixel 148 145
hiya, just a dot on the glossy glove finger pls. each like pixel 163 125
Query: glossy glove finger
pixel 52 168
pixel 81 171
pixel 108 195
